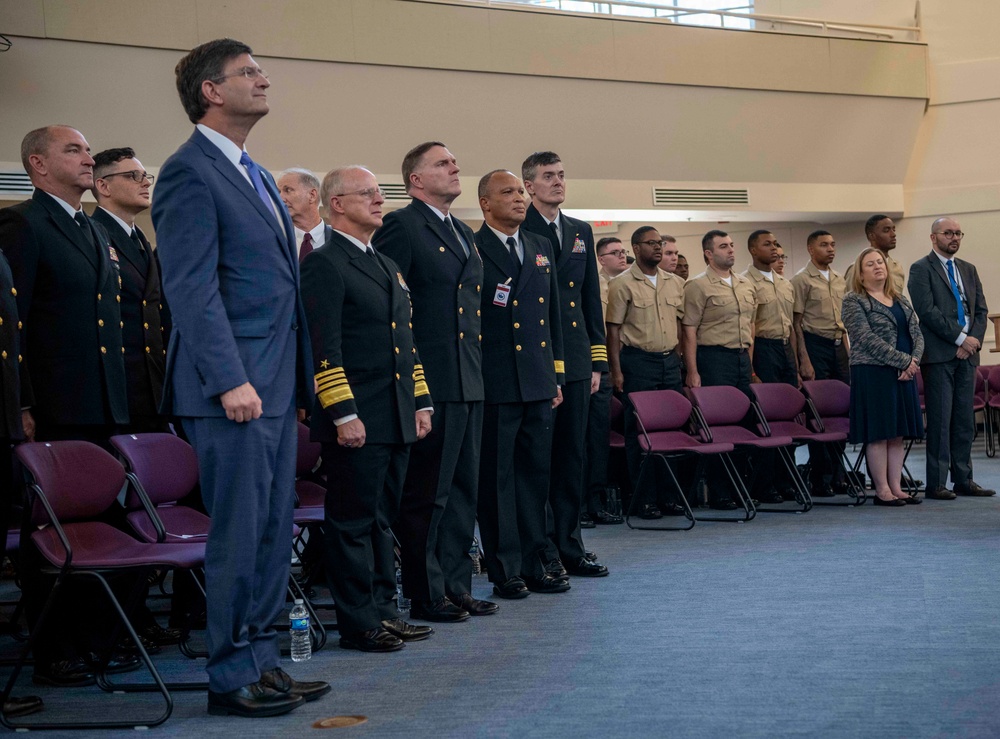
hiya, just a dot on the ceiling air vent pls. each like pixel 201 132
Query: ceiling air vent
pixel 15 183
pixel 669 196
pixel 395 193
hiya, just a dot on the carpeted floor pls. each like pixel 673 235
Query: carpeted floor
pixel 842 622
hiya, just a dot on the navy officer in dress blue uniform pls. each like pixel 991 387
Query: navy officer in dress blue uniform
pixel 522 372
pixel 372 404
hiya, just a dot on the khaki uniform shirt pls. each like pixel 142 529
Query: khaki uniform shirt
pixel 647 315
pixel 895 272
pixel 819 301
pixel 723 314
pixel 775 301
pixel 605 279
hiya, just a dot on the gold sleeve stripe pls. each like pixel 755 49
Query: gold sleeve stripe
pixel 335 395
pixel 420 388
pixel 598 353
pixel 560 367
pixel 335 372
pixel 330 384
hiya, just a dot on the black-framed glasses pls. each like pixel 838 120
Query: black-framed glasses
pixel 783 257
pixel 616 253
pixel 251 73
pixel 136 175
pixel 368 193
pixel 949 234
pixel 651 243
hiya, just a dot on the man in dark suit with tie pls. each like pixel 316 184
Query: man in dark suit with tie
pixel 237 368
pixel 299 190
pixel 948 298
pixel 586 353
pixel 436 254
pixel 372 403
pixel 522 374
pixel 72 373
pixel 121 186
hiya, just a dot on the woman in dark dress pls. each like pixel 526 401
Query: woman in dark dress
pixel 886 345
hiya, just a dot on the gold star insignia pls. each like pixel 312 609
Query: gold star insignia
pixel 324 364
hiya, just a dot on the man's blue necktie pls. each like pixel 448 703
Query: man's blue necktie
pixel 258 182
pixel 956 293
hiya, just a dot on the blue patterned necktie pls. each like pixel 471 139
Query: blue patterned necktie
pixel 258 181
pixel 956 293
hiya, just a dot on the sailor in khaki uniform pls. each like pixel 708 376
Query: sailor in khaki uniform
pixel 773 356
pixel 881 234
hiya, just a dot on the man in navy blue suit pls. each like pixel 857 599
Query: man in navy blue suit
pixel 236 370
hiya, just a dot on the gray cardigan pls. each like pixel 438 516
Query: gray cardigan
pixel 871 328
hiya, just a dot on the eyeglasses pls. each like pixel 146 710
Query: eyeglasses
pixel 251 73
pixel 783 257
pixel 615 253
pixel 136 175
pixel 652 243
pixel 949 234
pixel 367 194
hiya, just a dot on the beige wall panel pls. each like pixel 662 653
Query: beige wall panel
pixel 882 12
pixel 887 69
pixel 544 44
pixel 304 29
pixel 778 61
pixel 958 146
pixel 960 82
pixel 390 32
pixel 22 17
pixel 644 52
pixel 960 30
pixel 169 25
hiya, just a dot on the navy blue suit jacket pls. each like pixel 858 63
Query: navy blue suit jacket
pixel 231 274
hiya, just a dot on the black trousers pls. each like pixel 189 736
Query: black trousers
pixel 830 362
pixel 951 424
pixel 514 474
pixel 569 464
pixel 437 515
pixel 773 361
pixel 363 490
pixel 598 448
pixel 645 371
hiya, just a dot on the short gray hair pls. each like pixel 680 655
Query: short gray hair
pixel 37 142
pixel 306 177
pixel 333 183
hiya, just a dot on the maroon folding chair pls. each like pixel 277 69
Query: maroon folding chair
pixel 309 493
pixel 979 397
pixel 720 411
pixel 662 418
pixel 992 411
pixel 786 411
pixel 70 485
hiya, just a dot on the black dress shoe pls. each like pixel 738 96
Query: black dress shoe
pixel 23 706
pixel 545 584
pixel 583 567
pixel 893 502
pixel 974 489
pixel 771 497
pixel 407 632
pixel 822 490
pixel 159 636
pixel 253 700
pixel 555 568
pixel 586 522
pixel 673 509
pixel 279 680
pixel 440 611
pixel 121 661
pixel 607 519
pixel 373 640
pixel 474 606
pixel 590 556
pixel 940 493
pixel 512 589
pixel 649 512
pixel 725 504
pixel 64 674
pixel 125 645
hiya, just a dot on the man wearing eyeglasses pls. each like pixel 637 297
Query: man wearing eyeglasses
pixel 121 187
pixel 948 298
pixel 780 260
pixel 237 368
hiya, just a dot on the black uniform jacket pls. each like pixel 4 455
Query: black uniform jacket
pixel 67 298
pixel 584 342
pixel 446 287
pixel 522 335
pixel 365 361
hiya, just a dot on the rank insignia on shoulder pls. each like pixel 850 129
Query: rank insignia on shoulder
pixel 402 282
pixel 114 253
pixel 579 247
pixel 541 260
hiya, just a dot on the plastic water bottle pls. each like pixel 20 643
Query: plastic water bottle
pixel 299 629
pixel 402 602
pixel 477 562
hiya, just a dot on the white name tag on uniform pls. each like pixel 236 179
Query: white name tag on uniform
pixel 501 295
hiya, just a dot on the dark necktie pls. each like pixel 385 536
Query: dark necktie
pixel 81 219
pixel 514 261
pixel 307 246
pixel 371 254
pixel 458 237
pixel 956 292
pixel 555 236
pixel 258 181
pixel 139 246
